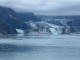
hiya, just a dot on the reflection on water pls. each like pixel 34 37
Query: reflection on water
pixel 40 53
pixel 14 51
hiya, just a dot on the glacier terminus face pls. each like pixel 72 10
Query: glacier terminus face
pixel 47 28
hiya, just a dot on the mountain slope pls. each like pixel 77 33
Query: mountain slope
pixel 6 28
pixel 8 15
pixel 26 17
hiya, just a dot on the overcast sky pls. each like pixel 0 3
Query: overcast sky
pixel 44 7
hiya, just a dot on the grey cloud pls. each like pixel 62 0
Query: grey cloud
pixel 44 7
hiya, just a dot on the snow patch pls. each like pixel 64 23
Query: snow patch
pixel 10 15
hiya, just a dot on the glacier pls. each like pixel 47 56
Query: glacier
pixel 43 28
pixel 46 28
pixel 20 32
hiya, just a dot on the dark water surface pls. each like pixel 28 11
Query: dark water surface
pixel 40 48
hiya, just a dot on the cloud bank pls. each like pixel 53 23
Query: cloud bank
pixel 44 7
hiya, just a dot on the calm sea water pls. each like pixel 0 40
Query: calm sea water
pixel 51 47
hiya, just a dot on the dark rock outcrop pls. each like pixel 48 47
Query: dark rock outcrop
pixel 6 28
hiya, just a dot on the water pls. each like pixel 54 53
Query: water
pixel 52 47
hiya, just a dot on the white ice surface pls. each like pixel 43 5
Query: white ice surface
pixel 20 31
pixel 53 31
